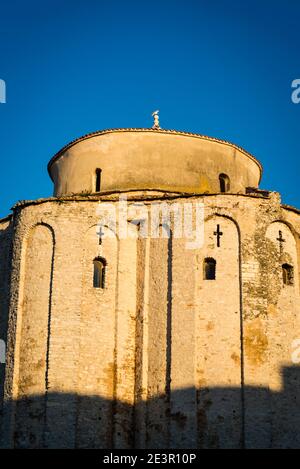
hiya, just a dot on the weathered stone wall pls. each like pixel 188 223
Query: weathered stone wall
pixel 160 357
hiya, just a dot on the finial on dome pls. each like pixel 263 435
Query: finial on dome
pixel 156 120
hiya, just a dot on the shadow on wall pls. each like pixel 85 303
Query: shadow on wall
pixel 208 418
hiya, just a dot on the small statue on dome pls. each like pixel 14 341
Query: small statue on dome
pixel 156 120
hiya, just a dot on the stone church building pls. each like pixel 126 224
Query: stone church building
pixel 139 341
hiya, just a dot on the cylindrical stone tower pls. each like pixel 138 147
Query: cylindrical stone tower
pixel 153 302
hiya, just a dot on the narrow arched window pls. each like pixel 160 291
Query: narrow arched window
pixel 98 180
pixel 224 183
pixel 209 269
pixel 99 272
pixel 288 274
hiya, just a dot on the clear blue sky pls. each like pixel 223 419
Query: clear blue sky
pixel 221 68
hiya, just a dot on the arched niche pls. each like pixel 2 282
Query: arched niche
pixel 33 328
pixel 218 335
pixel 283 318
pixel 96 369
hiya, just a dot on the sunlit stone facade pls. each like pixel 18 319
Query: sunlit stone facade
pixel 164 346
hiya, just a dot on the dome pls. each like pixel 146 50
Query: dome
pixel 141 159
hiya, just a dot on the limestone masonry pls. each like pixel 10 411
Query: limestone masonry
pixel 139 342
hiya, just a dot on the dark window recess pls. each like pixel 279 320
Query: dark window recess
pixel 288 274
pixel 99 272
pixel 224 183
pixel 209 269
pixel 98 180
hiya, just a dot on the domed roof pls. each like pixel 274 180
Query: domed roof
pixel 151 159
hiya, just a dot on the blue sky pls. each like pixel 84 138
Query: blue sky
pixel 221 68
